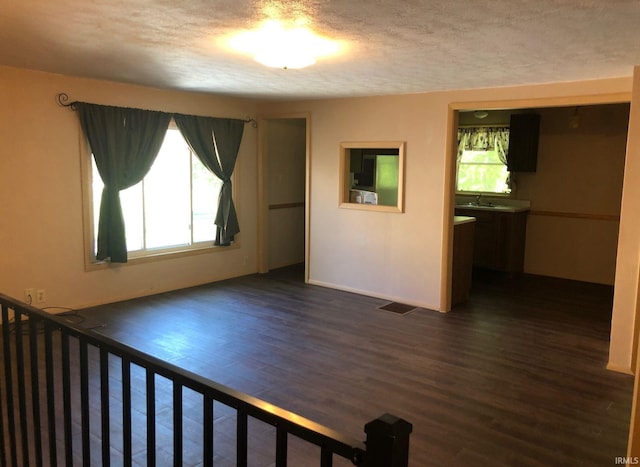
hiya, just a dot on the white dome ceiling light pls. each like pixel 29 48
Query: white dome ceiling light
pixel 276 45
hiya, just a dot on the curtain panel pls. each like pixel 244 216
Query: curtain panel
pixel 216 142
pixel 484 139
pixel 124 142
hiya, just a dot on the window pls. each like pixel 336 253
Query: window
pixel 372 176
pixel 172 209
pixel 482 160
pixel 482 172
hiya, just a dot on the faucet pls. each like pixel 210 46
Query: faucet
pixel 478 199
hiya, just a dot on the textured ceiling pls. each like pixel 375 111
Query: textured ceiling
pixel 394 46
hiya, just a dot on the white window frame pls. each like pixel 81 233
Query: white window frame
pixel 137 257
pixel 498 194
pixel 504 194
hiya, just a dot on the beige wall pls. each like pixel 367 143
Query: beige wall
pixel 384 254
pixel 580 172
pixel 41 238
pixel 405 257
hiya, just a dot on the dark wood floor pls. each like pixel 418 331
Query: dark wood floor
pixel 514 377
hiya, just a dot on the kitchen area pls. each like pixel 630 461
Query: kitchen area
pixel 559 216
pixel 487 236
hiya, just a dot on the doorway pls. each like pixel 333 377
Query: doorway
pixel 283 152
pixel 575 194
pixel 573 223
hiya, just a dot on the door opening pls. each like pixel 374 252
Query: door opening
pixel 283 223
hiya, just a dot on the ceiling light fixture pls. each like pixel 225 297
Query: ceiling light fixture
pixel 480 114
pixel 275 45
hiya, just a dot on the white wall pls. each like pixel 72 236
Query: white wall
pixel 41 238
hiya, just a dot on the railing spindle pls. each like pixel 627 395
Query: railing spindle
pixel 51 405
pixel 326 456
pixel 35 388
pixel 177 424
pixel 207 430
pixel 3 451
pixel 8 378
pixel 66 399
pixel 104 407
pixel 22 392
pixel 84 402
pixel 151 417
pixel 281 447
pixel 241 438
pixel 126 412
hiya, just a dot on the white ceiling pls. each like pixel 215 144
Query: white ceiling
pixel 396 47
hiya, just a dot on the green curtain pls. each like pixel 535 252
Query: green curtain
pixel 124 142
pixel 216 142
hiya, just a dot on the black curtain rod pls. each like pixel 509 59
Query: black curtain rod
pixel 63 100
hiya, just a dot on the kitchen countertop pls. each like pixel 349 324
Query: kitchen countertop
pixel 457 220
pixel 493 207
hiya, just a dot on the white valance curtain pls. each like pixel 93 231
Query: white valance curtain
pixel 484 139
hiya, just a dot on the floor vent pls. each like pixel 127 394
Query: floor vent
pixel 398 308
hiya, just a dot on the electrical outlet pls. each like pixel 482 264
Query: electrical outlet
pixel 41 296
pixel 29 295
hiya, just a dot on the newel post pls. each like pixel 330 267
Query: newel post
pixel 387 442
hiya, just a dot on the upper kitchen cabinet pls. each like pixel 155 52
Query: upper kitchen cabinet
pixel 523 142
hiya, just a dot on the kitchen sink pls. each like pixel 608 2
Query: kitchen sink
pixel 481 204
pixel 486 206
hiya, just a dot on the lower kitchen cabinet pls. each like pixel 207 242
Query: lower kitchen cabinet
pixel 499 239
pixel 463 234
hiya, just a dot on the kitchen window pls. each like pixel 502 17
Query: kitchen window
pixel 172 209
pixel 481 162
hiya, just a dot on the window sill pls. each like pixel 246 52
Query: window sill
pixel 91 264
pixel 371 207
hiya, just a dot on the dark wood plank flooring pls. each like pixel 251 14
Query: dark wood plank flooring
pixel 514 377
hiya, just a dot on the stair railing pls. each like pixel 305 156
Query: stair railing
pixel 65 391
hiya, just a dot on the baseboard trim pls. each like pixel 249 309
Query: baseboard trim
pixel 367 293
